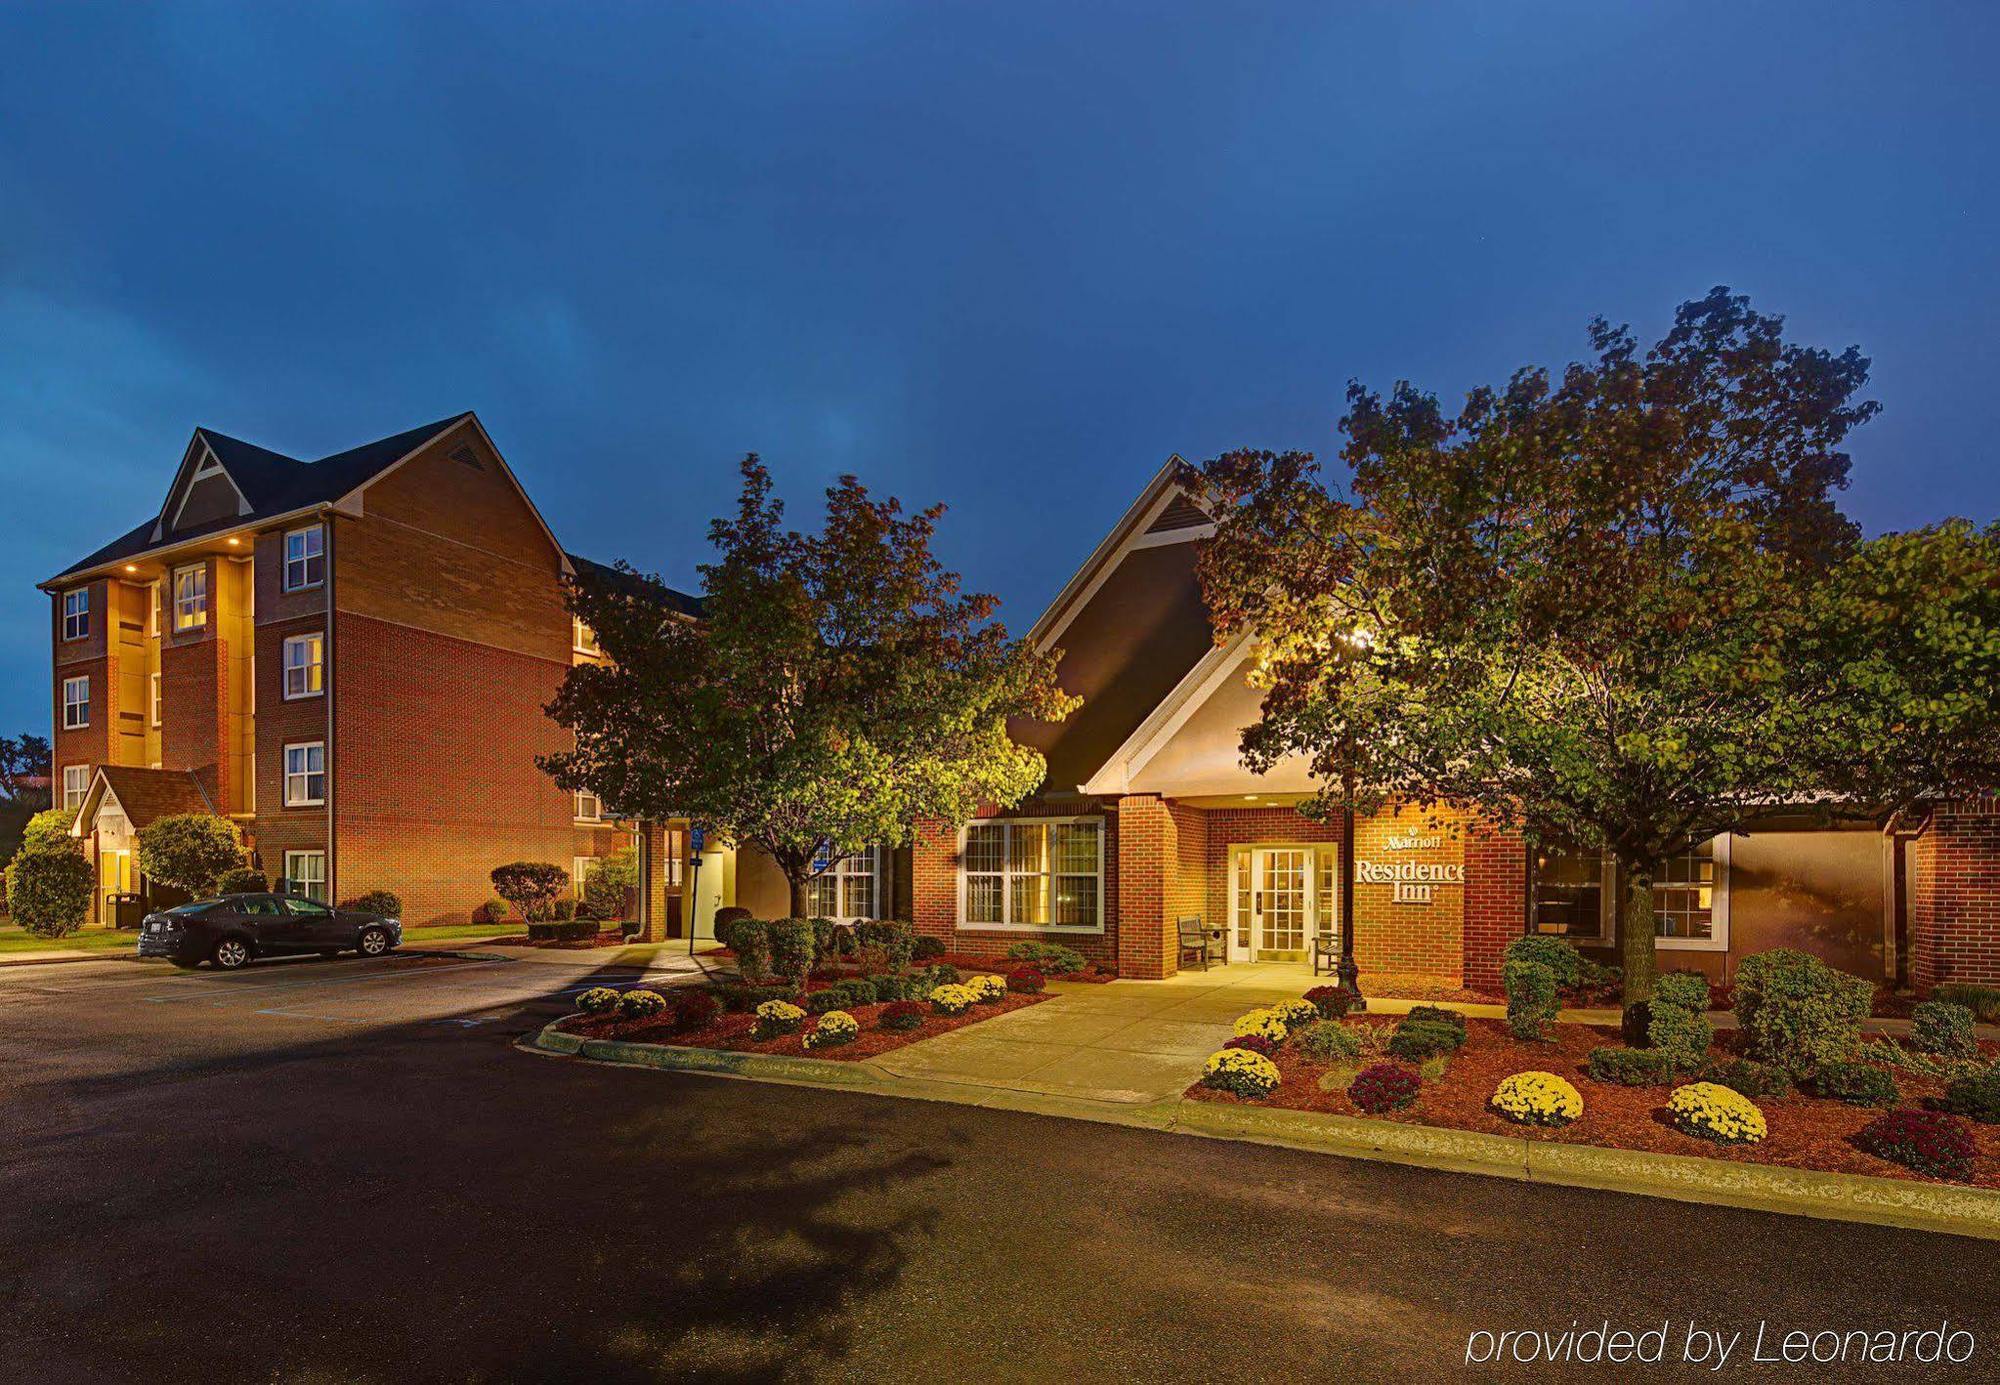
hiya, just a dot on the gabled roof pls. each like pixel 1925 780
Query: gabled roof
pixel 273 484
pixel 632 584
pixel 145 795
pixel 1163 513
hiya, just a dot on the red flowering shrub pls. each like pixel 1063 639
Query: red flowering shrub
pixel 1383 1087
pixel 1026 980
pixel 901 1014
pixel 1256 1043
pixel 1331 1000
pixel 1933 1142
pixel 697 1010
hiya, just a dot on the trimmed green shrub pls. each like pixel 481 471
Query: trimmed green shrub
pixel 190 851
pixel 726 920
pixel 1682 990
pixel 738 998
pixel 842 995
pixel 886 945
pixel 383 902
pixel 1329 1040
pixel 1943 1027
pixel 1437 1014
pixel 750 940
pixel 1630 1067
pixel 243 880
pixel 1531 997
pixel 926 947
pixel 1983 1001
pixel 605 883
pixel 1798 1012
pixel 695 1010
pixel 889 989
pixel 942 974
pixel 822 1002
pixel 1051 959
pixel 51 889
pixel 1977 1096
pixel 1559 955
pixel 564 911
pixel 1416 1040
pixel 50 827
pixel 1682 1035
pixel 792 950
pixel 1750 1077
pixel 530 886
pixel 493 911
pixel 1857 1084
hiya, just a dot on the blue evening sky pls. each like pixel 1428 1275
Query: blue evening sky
pixel 1005 256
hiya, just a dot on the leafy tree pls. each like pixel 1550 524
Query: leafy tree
pixel 604 884
pixel 530 886
pixel 838 688
pixel 1619 608
pixel 24 787
pixel 50 827
pixel 190 851
pixel 49 888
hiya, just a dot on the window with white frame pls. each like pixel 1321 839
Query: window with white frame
pixel 76 613
pixel 153 700
pixel 76 783
pixel 849 889
pixel 583 639
pixel 307 872
pixel 76 703
pixel 589 807
pixel 1033 873
pixel 1575 897
pixel 305 557
pixel 305 774
pixel 190 597
pixel 305 665
pixel 579 870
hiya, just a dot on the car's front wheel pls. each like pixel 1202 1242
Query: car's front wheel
pixel 230 954
pixel 374 942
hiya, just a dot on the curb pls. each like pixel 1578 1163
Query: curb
pixel 65 958
pixel 1939 1207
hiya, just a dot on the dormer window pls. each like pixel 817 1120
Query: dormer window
pixel 76 613
pixel 305 557
pixel 191 597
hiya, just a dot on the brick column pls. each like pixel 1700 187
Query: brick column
pixel 653 882
pixel 1496 900
pixel 1955 896
pixel 1148 849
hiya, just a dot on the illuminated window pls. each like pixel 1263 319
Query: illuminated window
pixel 1574 897
pixel 305 774
pixel 190 597
pixel 154 714
pixel 1033 873
pixel 76 613
pixel 306 870
pixel 305 557
pixel 848 889
pixel 589 807
pixel 583 639
pixel 305 665
pixel 76 783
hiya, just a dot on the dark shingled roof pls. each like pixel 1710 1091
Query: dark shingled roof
pixel 633 585
pixel 147 795
pixel 274 484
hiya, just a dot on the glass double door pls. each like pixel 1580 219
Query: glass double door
pixel 1281 898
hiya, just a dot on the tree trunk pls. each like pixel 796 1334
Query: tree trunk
pixel 1634 903
pixel 798 884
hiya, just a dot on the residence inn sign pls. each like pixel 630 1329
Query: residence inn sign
pixel 1411 882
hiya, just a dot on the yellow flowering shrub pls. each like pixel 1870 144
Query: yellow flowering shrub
pixel 598 1000
pixel 953 1000
pixel 1241 1071
pixel 986 988
pixel 1537 1098
pixel 1296 1014
pixel 1715 1112
pixel 775 1017
pixel 834 1027
pixel 1265 1024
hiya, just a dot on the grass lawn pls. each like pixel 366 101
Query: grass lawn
pixel 14 938
pixel 455 930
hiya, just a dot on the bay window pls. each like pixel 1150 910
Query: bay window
pixel 1033 873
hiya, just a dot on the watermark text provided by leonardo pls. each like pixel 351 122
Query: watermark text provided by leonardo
pixel 1718 1346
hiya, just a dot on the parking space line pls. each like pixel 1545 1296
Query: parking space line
pixel 213 997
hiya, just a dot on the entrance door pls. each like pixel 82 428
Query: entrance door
pixel 1275 902
pixel 114 877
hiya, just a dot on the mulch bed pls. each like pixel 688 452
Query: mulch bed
pixel 1805 1132
pixel 1093 972
pixel 1415 986
pixel 734 1032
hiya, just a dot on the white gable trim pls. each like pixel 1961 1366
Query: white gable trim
pixel 1126 536
pixel 1152 735
pixel 198 463
pixel 351 502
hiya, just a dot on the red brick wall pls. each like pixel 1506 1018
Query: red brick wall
pixel 82 658
pixel 434 780
pixel 1229 828
pixel 1955 896
pixel 934 890
pixel 194 704
pixel 1148 851
pixel 1496 900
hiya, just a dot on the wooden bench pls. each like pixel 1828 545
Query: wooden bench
pixel 1200 943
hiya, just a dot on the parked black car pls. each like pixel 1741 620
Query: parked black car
pixel 235 928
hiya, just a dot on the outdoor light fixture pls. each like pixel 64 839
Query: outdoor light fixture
pixel 131 567
pixel 234 542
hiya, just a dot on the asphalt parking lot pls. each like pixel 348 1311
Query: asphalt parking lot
pixel 345 1171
